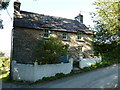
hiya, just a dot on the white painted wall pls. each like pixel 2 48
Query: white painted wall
pixel 85 62
pixel 29 72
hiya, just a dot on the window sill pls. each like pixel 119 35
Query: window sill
pixel 80 40
pixel 65 39
pixel 45 37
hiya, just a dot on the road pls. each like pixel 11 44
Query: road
pixel 100 78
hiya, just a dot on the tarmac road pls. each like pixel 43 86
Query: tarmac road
pixel 100 78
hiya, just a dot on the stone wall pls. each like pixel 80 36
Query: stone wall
pixel 25 43
pixel 86 62
pixel 34 72
pixel 73 43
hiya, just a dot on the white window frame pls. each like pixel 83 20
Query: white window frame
pixel 81 48
pixel 65 36
pixel 47 32
pixel 79 36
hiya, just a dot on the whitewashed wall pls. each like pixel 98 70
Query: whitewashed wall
pixel 85 62
pixel 29 72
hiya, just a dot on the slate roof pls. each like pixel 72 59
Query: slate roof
pixel 39 21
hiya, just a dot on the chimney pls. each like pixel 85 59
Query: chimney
pixel 79 18
pixel 17 7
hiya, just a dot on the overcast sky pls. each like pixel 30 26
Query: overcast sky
pixel 61 8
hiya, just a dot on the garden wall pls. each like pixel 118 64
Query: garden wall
pixel 29 72
pixel 85 62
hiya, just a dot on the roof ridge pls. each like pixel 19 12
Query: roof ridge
pixel 58 17
pixel 37 21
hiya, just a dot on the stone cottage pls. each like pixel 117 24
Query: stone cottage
pixel 29 27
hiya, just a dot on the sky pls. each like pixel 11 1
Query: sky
pixel 60 8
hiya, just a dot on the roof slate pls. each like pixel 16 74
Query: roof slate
pixel 38 21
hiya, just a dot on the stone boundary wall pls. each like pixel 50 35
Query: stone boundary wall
pixel 85 62
pixel 32 73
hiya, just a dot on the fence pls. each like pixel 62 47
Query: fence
pixel 85 62
pixel 29 72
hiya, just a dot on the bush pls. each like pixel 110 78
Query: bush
pixel 3 72
pixel 2 54
pixel 109 52
pixel 5 62
pixel 49 51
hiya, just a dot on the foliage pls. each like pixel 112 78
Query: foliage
pixel 108 14
pixel 5 62
pixel 3 72
pixel 107 35
pixel 61 75
pixel 104 63
pixel 85 69
pixel 102 35
pixel 49 51
pixel 105 43
pixel 3 5
pixel 2 54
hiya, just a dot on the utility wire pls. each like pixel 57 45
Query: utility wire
pixel 8 14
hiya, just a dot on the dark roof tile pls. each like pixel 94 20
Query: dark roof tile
pixel 38 21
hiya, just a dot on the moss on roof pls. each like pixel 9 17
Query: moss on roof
pixel 38 21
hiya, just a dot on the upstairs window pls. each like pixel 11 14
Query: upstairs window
pixel 65 36
pixel 46 33
pixel 79 36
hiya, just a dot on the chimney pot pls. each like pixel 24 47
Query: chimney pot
pixel 17 7
pixel 79 18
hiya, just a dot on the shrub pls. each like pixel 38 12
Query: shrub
pixel 109 52
pixel 2 54
pixel 5 62
pixel 49 51
pixel 3 72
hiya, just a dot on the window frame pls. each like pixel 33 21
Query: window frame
pixel 47 32
pixel 65 36
pixel 79 36
pixel 81 49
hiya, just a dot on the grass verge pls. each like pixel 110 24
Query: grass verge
pixel 61 75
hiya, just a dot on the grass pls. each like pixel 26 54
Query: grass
pixel 85 69
pixel 61 75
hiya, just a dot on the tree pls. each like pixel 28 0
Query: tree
pixel 108 12
pixel 106 38
pixel 102 35
pixel 4 4
pixel 105 43
pixel 49 51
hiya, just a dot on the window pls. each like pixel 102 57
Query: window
pixel 80 49
pixel 46 33
pixel 65 36
pixel 79 36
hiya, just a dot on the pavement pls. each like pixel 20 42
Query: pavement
pixel 100 78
